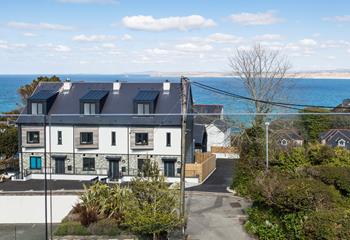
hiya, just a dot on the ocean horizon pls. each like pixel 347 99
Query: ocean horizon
pixel 312 91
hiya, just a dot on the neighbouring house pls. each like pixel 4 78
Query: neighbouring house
pixel 288 138
pixel 336 138
pixel 77 126
pixel 217 129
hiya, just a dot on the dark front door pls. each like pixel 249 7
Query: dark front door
pixel 59 165
pixel 169 168
pixel 113 170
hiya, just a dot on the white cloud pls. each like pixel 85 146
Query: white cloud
pixel 344 18
pixel 12 46
pixel 191 47
pixel 223 38
pixel 149 23
pixel 308 42
pixel 349 50
pixel 89 1
pixel 156 51
pixel 62 48
pixel 262 18
pixel 268 37
pixel 109 45
pixel 29 34
pixel 331 57
pixel 126 37
pixel 39 26
pixel 93 38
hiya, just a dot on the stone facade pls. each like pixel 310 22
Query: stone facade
pixel 74 163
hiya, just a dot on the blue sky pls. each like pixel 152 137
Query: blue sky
pixel 119 36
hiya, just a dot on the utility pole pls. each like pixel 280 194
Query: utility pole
pixel 267 144
pixel 184 89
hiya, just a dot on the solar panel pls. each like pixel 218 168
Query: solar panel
pixel 147 95
pixel 95 95
pixel 43 95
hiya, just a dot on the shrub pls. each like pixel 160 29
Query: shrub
pixel 108 227
pixel 319 154
pixel 337 176
pixel 264 223
pixel 292 159
pixel 328 224
pixel 294 195
pixel 71 228
pixel 293 225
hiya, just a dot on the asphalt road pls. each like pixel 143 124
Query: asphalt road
pixel 219 180
pixel 24 231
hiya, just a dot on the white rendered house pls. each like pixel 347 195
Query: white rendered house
pixel 103 129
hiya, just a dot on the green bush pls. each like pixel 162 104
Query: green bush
pixel 319 154
pixel 108 227
pixel 292 159
pixel 264 223
pixel 293 225
pixel 337 176
pixel 328 224
pixel 294 195
pixel 71 228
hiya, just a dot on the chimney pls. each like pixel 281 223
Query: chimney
pixel 67 85
pixel 116 87
pixel 166 87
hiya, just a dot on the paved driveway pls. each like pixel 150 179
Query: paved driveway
pixel 24 231
pixel 213 213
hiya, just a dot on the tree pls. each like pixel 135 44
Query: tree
pixel 27 90
pixel 314 123
pixel 8 141
pixel 263 73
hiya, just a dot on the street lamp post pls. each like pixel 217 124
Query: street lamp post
pixel 267 144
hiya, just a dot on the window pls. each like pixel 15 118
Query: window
pixel 37 108
pixel 35 162
pixel 86 138
pixel 169 169
pixel 168 139
pixel 88 164
pixel 113 140
pixel 89 108
pixel 59 137
pixel 143 108
pixel 284 142
pixel 33 137
pixel 341 143
pixel 141 138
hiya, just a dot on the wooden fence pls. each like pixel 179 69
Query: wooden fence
pixel 216 149
pixel 205 164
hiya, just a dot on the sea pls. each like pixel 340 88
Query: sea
pixel 329 92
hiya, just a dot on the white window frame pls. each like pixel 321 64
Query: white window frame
pixel 89 108
pixel 143 108
pixel 284 142
pixel 37 108
pixel 341 144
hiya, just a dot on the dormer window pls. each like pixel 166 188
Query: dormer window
pixel 89 108
pixel 93 101
pixel 143 108
pixel 341 143
pixel 145 102
pixel 37 108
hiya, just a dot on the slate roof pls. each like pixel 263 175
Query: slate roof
pixel 147 95
pixel 95 95
pixel 68 103
pixel 221 125
pixel 288 134
pixel 43 95
pixel 207 108
pixel 337 133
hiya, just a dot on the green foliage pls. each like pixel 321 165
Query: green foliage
pixel 328 224
pixel 299 194
pixel 264 223
pixel 107 227
pixel 8 141
pixel 319 154
pixel 293 224
pixel 150 169
pixel 313 124
pixel 27 90
pixel 154 210
pixel 337 176
pixel 292 159
pixel 71 228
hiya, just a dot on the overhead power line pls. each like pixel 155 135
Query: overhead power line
pixel 280 104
